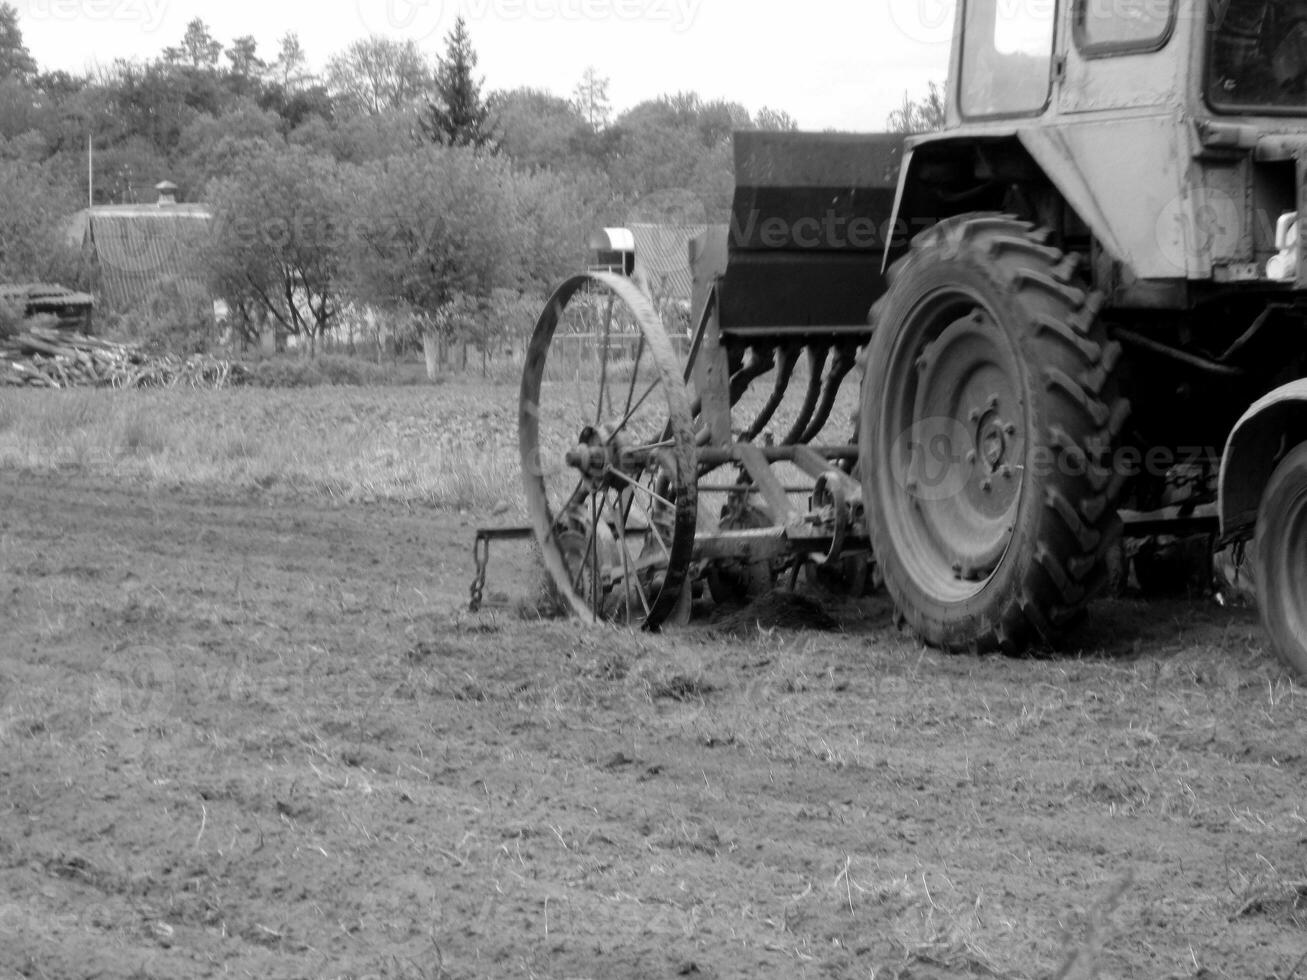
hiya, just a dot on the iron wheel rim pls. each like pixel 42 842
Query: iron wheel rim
pixel 626 581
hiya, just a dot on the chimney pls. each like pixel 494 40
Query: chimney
pixel 167 192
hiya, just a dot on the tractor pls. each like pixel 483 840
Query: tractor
pixel 1077 312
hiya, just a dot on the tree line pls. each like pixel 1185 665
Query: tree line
pixel 390 178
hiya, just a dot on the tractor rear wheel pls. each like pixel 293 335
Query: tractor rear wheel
pixel 987 423
pixel 1280 559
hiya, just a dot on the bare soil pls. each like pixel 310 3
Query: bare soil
pixel 253 736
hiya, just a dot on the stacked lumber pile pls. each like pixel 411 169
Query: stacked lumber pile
pixel 45 357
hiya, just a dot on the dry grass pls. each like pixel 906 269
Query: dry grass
pixel 447 445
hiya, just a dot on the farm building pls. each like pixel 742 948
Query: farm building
pixel 657 257
pixel 140 252
pixel 70 310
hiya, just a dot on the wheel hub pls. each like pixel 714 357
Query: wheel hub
pixel 598 451
pixel 992 439
pixel 967 374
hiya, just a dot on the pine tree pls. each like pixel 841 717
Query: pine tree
pixel 457 115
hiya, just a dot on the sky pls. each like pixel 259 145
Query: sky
pixel 832 64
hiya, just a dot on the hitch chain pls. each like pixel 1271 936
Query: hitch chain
pixel 481 555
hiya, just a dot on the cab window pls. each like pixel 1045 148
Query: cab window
pixel 1007 57
pixel 1121 26
pixel 1257 56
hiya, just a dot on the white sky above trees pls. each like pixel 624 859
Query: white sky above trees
pixel 840 64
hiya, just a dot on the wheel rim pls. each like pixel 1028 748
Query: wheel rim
pixel 608 455
pixel 954 445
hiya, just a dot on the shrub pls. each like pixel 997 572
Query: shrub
pixel 326 369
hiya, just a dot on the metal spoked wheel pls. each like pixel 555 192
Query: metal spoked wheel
pixel 608 453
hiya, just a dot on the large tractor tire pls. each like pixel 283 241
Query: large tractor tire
pixel 1280 559
pixel 988 418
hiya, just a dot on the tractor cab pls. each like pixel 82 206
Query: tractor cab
pixel 1012 60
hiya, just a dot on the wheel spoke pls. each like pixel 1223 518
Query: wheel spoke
pixel 643 398
pixel 580 571
pixel 635 373
pixel 603 364
pixel 627 561
pixel 641 487
pixel 652 525
pixel 652 447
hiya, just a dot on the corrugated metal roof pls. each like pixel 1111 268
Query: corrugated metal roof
pixel 612 240
pixel 140 246
pixel 662 259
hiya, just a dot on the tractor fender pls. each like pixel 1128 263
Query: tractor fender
pixel 1273 426
pixel 1130 227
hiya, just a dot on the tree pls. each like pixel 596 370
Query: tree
pixel 243 56
pixel 377 74
pixel 156 101
pixel 298 105
pixel 32 243
pixel 358 139
pixel 590 97
pixel 290 61
pixel 21 111
pixel 431 230
pixel 15 60
pixel 776 120
pixel 212 147
pixel 278 239
pixel 457 115
pixel 539 129
pixel 673 158
pixel 555 214
pixel 924 116
pixel 198 49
